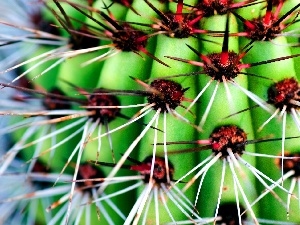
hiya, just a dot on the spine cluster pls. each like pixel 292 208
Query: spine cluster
pixel 150 112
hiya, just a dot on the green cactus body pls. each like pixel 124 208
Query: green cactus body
pixel 220 109
pixel 277 71
pixel 130 68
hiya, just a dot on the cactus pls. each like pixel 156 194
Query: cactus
pixel 150 112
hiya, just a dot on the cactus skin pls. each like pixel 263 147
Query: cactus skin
pixel 115 73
